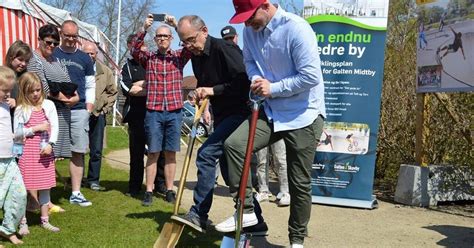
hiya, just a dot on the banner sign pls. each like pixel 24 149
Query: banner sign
pixel 445 46
pixel 351 39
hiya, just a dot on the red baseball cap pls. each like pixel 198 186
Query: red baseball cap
pixel 244 9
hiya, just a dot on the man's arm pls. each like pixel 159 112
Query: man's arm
pixel 90 85
pixel 138 88
pixel 305 56
pixel 253 69
pixel 126 79
pixel 452 30
pixel 110 90
pixel 236 71
pixel 138 41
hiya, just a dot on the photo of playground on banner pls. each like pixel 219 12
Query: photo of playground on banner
pixel 344 137
pixel 445 46
pixel 349 8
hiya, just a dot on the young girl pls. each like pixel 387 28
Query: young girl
pixel 17 58
pixel 12 189
pixel 40 131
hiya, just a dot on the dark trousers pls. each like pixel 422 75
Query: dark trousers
pixel 137 140
pixel 300 150
pixel 96 143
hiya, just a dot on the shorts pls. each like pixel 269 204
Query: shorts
pixel 79 130
pixel 163 130
pixel 452 48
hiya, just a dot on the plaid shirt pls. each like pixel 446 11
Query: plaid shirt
pixel 164 75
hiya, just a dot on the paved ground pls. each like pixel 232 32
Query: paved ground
pixel 390 225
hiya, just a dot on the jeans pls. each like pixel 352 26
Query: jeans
pixel 96 143
pixel 207 155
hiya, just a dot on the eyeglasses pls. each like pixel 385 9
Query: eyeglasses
pixel 162 36
pixel 71 36
pixel 50 42
pixel 191 40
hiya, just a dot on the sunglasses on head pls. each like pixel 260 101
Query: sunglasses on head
pixel 49 43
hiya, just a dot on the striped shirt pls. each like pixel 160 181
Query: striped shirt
pixel 48 72
pixel 164 75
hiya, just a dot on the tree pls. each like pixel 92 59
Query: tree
pixel 104 14
pixel 448 124
pixel 291 6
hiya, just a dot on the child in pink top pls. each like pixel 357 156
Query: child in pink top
pixel 40 131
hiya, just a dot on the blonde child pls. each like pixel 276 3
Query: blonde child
pixel 40 130
pixel 12 189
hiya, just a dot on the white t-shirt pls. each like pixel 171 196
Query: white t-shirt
pixel 6 135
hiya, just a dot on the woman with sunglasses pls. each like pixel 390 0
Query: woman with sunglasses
pixel 58 87
pixel 56 83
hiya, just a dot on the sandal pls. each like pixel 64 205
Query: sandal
pixel 56 209
pixel 49 227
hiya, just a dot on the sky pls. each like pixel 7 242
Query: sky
pixel 215 13
pixel 440 3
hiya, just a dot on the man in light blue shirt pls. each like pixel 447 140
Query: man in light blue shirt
pixel 282 62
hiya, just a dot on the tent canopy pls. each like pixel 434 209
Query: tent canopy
pixel 21 19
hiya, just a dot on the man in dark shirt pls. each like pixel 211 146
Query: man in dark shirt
pixel 220 72
pixel 453 47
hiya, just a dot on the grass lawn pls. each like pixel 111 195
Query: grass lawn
pixel 114 220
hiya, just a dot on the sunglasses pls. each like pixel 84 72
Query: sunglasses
pixel 49 43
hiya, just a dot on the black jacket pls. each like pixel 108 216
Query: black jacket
pixel 221 66
pixel 135 106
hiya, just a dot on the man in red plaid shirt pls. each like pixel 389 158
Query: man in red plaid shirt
pixel 164 77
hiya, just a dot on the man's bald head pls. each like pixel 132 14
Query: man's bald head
pixel 91 49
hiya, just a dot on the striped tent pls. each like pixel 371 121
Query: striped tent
pixel 15 24
pixel 21 19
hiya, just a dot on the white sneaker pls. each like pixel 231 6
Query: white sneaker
pixel 228 225
pixel 80 200
pixel 296 246
pixel 263 196
pixel 283 200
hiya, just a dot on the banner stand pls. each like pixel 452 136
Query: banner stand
pixel 372 204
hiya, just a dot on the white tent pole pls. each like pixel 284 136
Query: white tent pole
pixel 117 51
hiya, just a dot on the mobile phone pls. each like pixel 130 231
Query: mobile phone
pixel 159 17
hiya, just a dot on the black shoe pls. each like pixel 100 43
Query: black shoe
pixel 147 199
pixel 260 229
pixel 192 220
pixel 161 189
pixel 96 187
pixel 170 196
pixel 134 192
